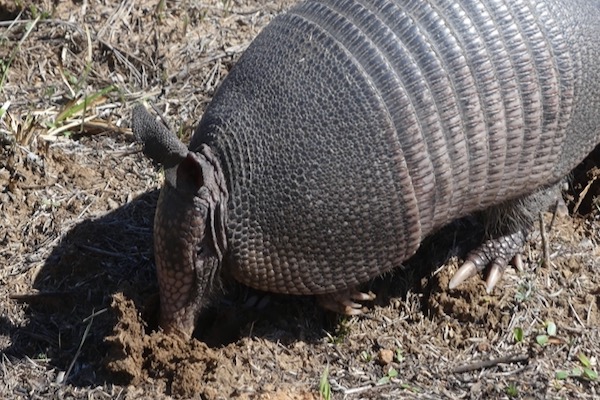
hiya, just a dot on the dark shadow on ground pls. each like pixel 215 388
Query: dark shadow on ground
pixel 73 291
pixel 70 303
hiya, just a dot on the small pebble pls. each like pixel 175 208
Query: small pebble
pixel 385 356
pixel 483 347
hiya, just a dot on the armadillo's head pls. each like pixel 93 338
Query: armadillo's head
pixel 189 235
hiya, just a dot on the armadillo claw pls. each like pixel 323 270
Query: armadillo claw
pixel 466 271
pixel 517 261
pixel 342 302
pixel 494 276
pixel 497 270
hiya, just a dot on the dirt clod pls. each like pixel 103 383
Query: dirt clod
pixel 385 356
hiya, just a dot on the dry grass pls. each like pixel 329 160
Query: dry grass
pixel 76 209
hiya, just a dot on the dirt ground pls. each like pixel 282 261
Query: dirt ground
pixel 78 291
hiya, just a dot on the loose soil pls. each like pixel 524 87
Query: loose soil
pixel 78 291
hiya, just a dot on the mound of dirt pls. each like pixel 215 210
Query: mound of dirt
pixel 183 368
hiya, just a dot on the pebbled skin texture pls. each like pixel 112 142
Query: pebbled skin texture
pixel 351 129
pixel 370 124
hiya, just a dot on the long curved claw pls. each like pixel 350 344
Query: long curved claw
pixel 517 261
pixel 494 276
pixel 467 270
pixel 360 296
pixel 341 302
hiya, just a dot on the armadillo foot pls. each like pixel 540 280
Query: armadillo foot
pixel 493 256
pixel 507 226
pixel 344 302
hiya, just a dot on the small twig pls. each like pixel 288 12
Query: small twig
pixel 491 363
pixel 357 390
pixel 86 72
pixel 513 372
pixel 124 55
pixel 584 193
pixel 42 21
pixel 72 124
pixel 545 245
pixel 557 204
pixel 162 118
pixel 95 314
pixel 38 187
pixel 32 362
pixel 78 352
pixel 575 314
pixel 99 251
pixel 573 329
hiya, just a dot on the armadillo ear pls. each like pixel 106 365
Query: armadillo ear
pixel 160 144
pixel 187 176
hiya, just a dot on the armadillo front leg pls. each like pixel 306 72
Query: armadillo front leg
pixel 507 228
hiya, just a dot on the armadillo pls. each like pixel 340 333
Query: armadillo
pixel 350 130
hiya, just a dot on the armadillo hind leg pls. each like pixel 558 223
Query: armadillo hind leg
pixel 507 227
pixel 344 302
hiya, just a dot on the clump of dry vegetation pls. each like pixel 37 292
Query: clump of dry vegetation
pixel 78 290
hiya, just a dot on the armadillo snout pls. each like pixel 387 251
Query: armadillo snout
pixel 174 247
pixel 187 257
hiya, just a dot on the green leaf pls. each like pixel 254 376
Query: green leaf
pixel 518 334
pixel 584 360
pixel 392 373
pixel 512 391
pixel 590 374
pixel 551 328
pixel 365 356
pixel 383 381
pixel 399 355
pixel 542 340
pixel 324 387
pixel 407 386
pixel 80 106
pixel 561 375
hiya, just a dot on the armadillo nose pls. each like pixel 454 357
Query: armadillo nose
pixel 178 331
